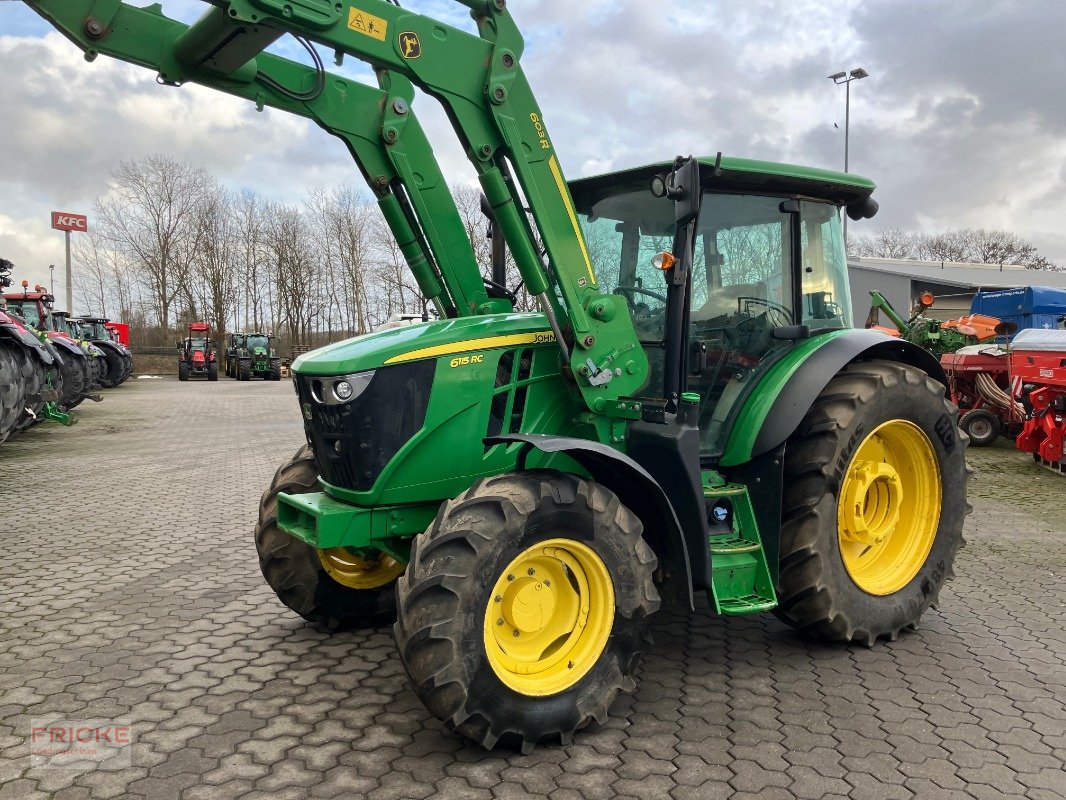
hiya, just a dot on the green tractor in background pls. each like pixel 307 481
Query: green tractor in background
pixel 689 413
pixel 252 355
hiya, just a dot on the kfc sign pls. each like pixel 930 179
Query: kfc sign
pixel 62 221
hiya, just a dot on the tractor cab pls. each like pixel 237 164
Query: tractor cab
pixel 768 272
pixel 35 307
pixel 196 355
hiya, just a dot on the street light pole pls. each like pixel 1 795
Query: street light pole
pixel 846 78
pixel 52 279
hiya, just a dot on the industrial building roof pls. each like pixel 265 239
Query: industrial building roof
pixel 978 275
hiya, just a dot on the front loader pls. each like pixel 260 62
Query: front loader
pixel 689 412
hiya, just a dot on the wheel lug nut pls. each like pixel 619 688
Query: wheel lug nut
pixel 531 571
pixel 547 583
pixel 510 577
pixel 515 634
pixel 497 599
pixel 499 622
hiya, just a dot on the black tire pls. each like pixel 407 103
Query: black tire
pixel 275 371
pixel 982 426
pixel 12 387
pixel 85 365
pixel 229 369
pixel 35 379
pixel 73 379
pixel 183 370
pixel 212 372
pixel 99 371
pixel 116 368
pixel 817 594
pixel 448 586
pixel 244 370
pixel 293 570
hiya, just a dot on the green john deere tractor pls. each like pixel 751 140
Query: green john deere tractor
pixel 253 357
pixel 689 413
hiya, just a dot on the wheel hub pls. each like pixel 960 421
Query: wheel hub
pixel 889 507
pixel 356 572
pixel 874 498
pixel 548 617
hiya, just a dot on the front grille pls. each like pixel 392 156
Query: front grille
pixel 354 441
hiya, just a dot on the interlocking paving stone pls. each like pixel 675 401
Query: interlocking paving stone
pixel 130 588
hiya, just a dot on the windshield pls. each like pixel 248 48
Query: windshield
pixel 27 309
pixel 195 344
pixel 741 286
pixel 256 342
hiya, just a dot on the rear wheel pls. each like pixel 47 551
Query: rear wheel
pixel 12 388
pixel 332 588
pixel 212 372
pixel 523 612
pixel 982 426
pixel 874 502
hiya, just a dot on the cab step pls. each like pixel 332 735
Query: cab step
pixel 740 576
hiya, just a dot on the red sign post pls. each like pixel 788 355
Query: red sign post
pixel 67 222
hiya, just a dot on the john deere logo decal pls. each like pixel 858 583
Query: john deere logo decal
pixel 410 47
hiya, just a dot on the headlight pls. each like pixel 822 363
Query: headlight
pixel 340 389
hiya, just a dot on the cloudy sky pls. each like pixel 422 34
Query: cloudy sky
pixel 962 122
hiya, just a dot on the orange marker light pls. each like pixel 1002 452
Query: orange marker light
pixel 664 260
pixel 926 299
pixel 25 284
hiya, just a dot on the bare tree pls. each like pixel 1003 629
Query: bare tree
pixel 889 243
pixel 215 258
pixel 151 214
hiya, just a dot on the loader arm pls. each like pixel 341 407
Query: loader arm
pixel 403 175
pixel 878 302
pixel 483 89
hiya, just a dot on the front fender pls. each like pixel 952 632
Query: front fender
pixel 637 489
pixel 779 401
pixel 66 345
pixel 29 340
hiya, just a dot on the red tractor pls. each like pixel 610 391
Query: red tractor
pixel 196 354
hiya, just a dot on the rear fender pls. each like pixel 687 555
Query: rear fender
pixel 641 494
pixel 762 427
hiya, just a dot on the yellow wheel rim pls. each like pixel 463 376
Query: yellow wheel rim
pixel 350 570
pixel 889 507
pixel 549 616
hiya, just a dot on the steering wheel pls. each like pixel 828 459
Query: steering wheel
pixel 631 290
pixel 776 313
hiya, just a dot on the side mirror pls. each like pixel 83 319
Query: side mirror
pixel 682 185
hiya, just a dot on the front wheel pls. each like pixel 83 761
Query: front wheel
pixel 244 370
pixel 333 588
pixel 183 370
pixel 523 612
pixel 212 372
pixel 873 506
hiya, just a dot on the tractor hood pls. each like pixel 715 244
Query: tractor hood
pixel 425 340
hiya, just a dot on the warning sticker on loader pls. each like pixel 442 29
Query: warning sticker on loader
pixel 367 24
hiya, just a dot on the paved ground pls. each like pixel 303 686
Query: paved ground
pixel 133 592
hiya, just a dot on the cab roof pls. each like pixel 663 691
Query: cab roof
pixel 738 175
